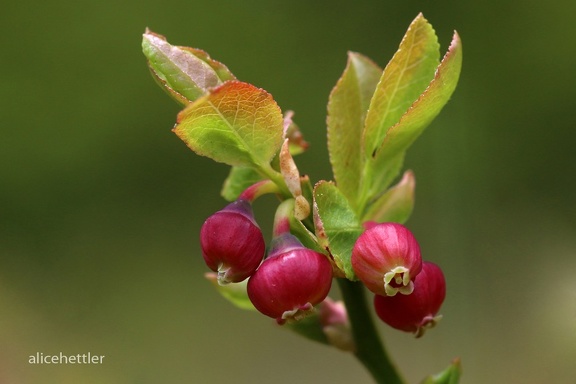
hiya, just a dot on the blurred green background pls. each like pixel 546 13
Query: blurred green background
pixel 100 204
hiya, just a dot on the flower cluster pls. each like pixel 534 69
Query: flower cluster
pixel 290 281
pixel 408 292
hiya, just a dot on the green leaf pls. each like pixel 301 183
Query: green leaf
pixel 238 180
pixel 235 293
pixel 337 226
pixel 396 204
pixel 236 123
pixel 400 136
pixel 386 160
pixel 307 238
pixel 347 108
pixel 185 73
pixel 405 77
pixel 450 375
pixel 378 178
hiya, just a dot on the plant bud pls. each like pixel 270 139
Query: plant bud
pixel 290 281
pixel 232 243
pixel 335 325
pixel 418 311
pixel 386 258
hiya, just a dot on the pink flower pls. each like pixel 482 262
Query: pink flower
pixel 232 243
pixel 386 258
pixel 418 311
pixel 290 281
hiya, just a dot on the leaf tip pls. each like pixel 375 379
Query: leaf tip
pixel 456 42
pixel 150 35
pixel 408 178
pixel 454 53
pixel 420 18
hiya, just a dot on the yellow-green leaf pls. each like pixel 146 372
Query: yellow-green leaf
pixel 396 204
pixel 347 108
pixel 238 180
pixel 450 375
pixel 185 73
pixel 235 293
pixel 236 123
pixel 405 77
pixel 400 136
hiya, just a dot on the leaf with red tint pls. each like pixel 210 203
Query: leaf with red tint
pixel 236 123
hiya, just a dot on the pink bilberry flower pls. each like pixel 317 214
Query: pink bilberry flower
pixel 232 243
pixel 290 281
pixel 386 258
pixel 418 311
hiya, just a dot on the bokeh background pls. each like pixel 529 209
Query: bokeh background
pixel 100 204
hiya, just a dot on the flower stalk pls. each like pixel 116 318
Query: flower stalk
pixel 370 350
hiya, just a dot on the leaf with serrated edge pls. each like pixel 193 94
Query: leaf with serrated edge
pixel 396 204
pixel 400 136
pixel 185 73
pixel 347 108
pixel 236 123
pixel 338 225
pixel 221 70
pixel 405 77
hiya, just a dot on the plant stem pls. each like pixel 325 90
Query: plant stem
pixel 282 218
pixel 369 348
pixel 270 173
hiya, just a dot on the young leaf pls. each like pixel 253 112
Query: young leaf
pixel 236 123
pixel 376 180
pixel 307 238
pixel 234 292
pixel 396 204
pixel 185 73
pixel 386 161
pixel 347 108
pixel 405 77
pixel 400 136
pixel 337 225
pixel 238 180
pixel 450 375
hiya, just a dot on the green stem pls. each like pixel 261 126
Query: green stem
pixel 258 189
pixel 270 173
pixel 369 348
